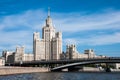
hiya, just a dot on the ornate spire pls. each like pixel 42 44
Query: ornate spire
pixel 49 20
pixel 48 11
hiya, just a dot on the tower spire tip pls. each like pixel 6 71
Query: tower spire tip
pixel 48 11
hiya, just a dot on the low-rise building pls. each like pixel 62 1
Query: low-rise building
pixel 28 57
pixel 90 53
pixel 8 56
pixel 72 53
pixel 117 65
pixel 20 55
pixel 2 61
pixel 114 65
pixel 17 56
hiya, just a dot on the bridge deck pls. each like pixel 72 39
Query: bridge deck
pixel 66 61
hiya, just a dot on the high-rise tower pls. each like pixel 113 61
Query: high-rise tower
pixel 50 46
pixel 48 32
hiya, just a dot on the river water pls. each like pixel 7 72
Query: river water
pixel 63 76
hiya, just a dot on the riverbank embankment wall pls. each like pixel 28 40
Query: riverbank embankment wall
pixel 18 70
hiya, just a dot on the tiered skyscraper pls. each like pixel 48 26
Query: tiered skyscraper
pixel 50 46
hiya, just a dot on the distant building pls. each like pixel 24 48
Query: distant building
pixel 114 65
pixel 8 56
pixel 101 56
pixel 28 57
pixel 17 56
pixel 20 55
pixel 117 65
pixel 2 61
pixel 90 53
pixel 72 53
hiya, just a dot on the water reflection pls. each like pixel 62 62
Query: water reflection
pixel 63 76
pixel 48 76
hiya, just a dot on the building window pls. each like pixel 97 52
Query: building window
pixel 46 30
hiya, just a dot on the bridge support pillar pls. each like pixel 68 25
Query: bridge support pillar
pixel 58 70
pixel 73 69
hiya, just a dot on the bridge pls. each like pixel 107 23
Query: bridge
pixel 96 61
pixel 57 65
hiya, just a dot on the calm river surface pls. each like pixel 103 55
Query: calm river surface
pixel 63 76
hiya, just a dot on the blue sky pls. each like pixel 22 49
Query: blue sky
pixel 90 24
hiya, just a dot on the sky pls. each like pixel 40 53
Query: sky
pixel 89 24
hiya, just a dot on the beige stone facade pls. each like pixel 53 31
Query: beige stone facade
pixel 8 56
pixel 2 61
pixel 20 55
pixel 50 46
pixel 28 57
pixel 72 53
pixel 17 56
pixel 38 47
pixel 90 53
pixel 117 65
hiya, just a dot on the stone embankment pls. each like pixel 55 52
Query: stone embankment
pixel 19 70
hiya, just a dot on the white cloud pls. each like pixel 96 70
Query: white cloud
pixel 95 40
pixel 9 40
pixel 35 19
pixel 29 19
pixel 106 39
pixel 77 22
